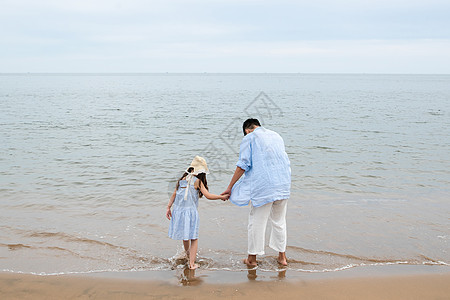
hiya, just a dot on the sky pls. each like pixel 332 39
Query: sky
pixel 243 36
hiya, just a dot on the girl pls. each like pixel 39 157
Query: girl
pixel 184 217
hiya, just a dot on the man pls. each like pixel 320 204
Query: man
pixel 266 186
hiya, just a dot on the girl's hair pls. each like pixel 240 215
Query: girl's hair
pixel 201 177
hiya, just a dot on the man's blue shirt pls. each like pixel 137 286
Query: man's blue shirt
pixel 267 176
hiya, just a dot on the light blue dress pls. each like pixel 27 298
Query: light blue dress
pixel 185 221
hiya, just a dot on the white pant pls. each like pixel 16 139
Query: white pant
pixel 257 222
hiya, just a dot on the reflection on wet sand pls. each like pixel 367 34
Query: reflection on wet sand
pixel 188 278
pixel 281 274
pixel 252 274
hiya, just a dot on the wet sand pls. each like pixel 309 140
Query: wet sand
pixel 346 285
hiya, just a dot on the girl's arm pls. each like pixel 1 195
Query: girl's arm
pixel 211 196
pixel 169 206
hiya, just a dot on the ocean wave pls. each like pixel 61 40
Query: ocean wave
pixel 346 256
pixel 66 253
pixel 72 238
pixel 168 265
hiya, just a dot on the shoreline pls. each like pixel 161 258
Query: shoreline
pixel 375 282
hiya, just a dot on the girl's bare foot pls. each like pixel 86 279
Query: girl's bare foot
pixel 193 267
pixel 250 265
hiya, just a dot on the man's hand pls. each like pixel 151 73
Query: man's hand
pixel 227 192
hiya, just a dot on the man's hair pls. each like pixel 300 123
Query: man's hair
pixel 250 124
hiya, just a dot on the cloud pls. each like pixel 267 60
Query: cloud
pixel 247 35
pixel 345 56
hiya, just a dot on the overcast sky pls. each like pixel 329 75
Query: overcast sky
pixel 314 36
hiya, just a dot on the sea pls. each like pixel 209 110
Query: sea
pixel 88 162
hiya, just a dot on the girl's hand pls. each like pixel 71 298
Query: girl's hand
pixel 168 213
pixel 224 197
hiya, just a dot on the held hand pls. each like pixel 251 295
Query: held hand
pixel 227 192
pixel 168 213
pixel 224 197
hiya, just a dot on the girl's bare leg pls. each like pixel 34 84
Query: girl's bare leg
pixel 186 247
pixel 193 254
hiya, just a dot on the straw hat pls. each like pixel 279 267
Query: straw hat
pixel 199 165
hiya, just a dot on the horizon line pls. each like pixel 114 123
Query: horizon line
pixel 215 73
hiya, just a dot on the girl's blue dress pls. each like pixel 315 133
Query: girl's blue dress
pixel 185 221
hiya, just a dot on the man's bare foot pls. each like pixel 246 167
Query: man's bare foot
pixel 250 265
pixel 193 267
pixel 282 259
pixel 283 263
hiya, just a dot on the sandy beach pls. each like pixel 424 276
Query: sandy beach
pixel 416 285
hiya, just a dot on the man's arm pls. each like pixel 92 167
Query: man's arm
pixel 237 174
pixel 244 163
